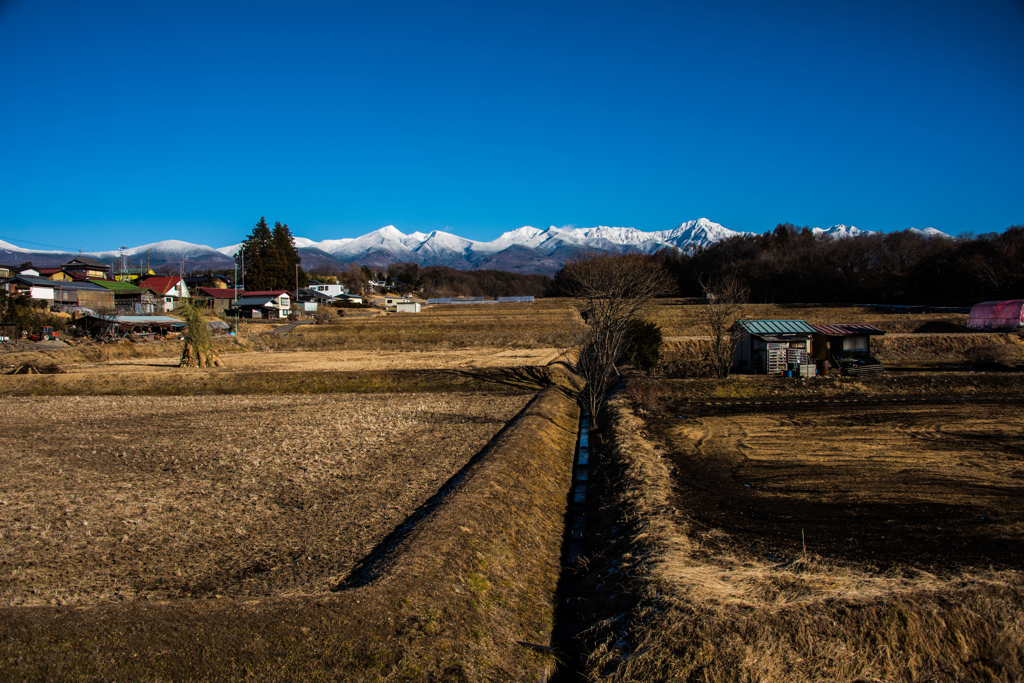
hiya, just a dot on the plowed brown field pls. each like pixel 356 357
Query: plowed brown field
pixel 939 487
pixel 150 498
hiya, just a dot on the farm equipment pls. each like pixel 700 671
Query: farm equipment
pixel 44 334
pixel 860 366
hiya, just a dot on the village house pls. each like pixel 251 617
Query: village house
pixel 6 271
pixel 60 294
pixel 210 280
pixel 843 344
pixel 60 275
pixel 349 298
pixel 131 299
pixel 216 299
pixel 38 288
pixel 331 290
pixel 170 288
pixel 309 300
pixel 271 304
pixel 89 269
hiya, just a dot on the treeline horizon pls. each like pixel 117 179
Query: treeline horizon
pixel 793 265
pixel 790 264
pixel 442 281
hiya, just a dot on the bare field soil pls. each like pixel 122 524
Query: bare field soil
pixel 283 494
pixel 939 488
pixel 155 498
pixel 799 536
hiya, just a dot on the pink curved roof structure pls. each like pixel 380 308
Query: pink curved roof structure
pixel 996 315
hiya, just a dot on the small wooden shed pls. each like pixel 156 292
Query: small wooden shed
pixel 846 346
pixel 771 347
pixel 839 340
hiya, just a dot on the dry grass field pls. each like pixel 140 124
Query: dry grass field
pixel 157 498
pixel 544 323
pixel 682 318
pixel 213 537
pixel 167 524
pixel 805 541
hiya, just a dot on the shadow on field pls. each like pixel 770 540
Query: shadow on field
pixel 384 554
pixel 528 377
pixel 525 377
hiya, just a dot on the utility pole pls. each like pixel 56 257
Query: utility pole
pixel 296 287
pixel 234 288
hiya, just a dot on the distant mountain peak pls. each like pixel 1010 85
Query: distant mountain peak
pixel 526 249
pixel 929 232
pixel 839 231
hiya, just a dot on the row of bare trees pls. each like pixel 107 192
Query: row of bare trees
pixel 793 264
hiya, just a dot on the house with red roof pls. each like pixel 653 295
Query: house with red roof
pixel 169 288
pixel 216 299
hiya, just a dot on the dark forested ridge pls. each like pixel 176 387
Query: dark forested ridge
pixel 444 281
pixel 791 265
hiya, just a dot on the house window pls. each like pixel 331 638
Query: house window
pixel 855 343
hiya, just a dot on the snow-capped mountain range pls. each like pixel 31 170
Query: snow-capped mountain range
pixel 523 250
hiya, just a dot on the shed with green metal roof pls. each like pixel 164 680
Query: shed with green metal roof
pixel 771 347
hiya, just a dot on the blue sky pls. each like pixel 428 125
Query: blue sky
pixel 133 122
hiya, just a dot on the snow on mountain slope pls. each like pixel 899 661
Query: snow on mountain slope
pixel 167 248
pixel 7 246
pixel 929 232
pixel 839 231
pixel 526 249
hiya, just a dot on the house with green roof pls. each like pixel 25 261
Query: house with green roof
pixel 130 299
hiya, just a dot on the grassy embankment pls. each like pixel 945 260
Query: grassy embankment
pixel 470 596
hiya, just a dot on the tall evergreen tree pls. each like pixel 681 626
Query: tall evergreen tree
pixel 270 258
pixel 254 254
pixel 288 259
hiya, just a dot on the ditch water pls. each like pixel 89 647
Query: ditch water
pixel 570 586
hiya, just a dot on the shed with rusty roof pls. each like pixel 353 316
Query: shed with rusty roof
pixel 842 340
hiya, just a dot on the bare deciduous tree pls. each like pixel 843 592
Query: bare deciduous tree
pixel 611 292
pixel 719 311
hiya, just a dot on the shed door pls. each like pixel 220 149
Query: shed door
pixel 776 357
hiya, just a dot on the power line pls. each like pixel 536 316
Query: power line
pixel 20 240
